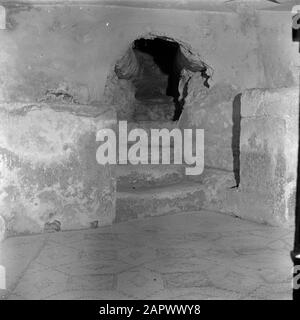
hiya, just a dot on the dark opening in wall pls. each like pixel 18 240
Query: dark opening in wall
pixel 165 54
pixel 151 80
pixel 236 133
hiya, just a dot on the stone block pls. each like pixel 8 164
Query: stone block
pixel 49 170
pixel 262 153
pixel 259 207
pixel 268 156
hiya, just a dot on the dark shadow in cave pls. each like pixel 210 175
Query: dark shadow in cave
pixel 165 54
pixel 236 133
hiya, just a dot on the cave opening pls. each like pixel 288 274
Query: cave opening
pixel 161 72
pixel 150 82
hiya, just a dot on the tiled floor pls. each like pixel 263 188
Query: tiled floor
pixel 203 255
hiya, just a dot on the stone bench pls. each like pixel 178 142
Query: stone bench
pixel 49 176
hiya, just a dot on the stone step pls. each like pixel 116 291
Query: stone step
pixel 160 149
pixel 136 176
pixel 210 193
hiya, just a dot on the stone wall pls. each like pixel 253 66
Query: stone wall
pixel 73 47
pixel 50 179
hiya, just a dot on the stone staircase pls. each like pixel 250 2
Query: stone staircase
pixel 157 189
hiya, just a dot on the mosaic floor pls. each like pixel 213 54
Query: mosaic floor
pixel 202 255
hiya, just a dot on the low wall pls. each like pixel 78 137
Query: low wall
pixel 50 178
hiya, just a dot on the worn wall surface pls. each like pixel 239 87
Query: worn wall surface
pixel 72 48
pixel 49 174
pixel 212 110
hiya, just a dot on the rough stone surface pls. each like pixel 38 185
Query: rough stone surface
pixel 49 170
pixel 154 110
pixel 281 102
pixel 158 201
pixel 255 206
pixel 119 93
pixel 212 110
pixel 2 228
pixel 136 176
pixel 268 160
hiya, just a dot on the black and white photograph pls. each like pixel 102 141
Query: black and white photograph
pixel 149 152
